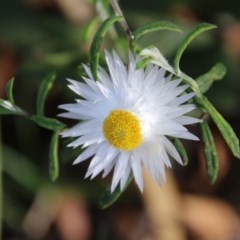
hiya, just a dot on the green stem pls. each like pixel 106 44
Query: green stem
pixel 192 83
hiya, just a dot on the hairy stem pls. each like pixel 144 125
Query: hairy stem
pixel 124 24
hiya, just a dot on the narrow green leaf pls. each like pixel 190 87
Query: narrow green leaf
pixel 223 126
pixel 48 123
pixel 153 27
pixel 205 81
pixel 44 88
pixel 4 111
pixel 9 90
pixel 53 156
pixel 210 152
pixel 188 39
pixel 182 151
pixel 97 42
pixel 6 107
pixel 108 198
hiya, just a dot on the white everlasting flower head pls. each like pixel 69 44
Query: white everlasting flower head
pixel 126 118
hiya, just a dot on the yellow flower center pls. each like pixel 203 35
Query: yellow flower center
pixel 122 130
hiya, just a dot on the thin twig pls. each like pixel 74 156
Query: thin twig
pixel 124 24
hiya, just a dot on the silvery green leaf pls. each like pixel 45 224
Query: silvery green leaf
pixel 53 157
pixel 9 108
pixel 205 81
pixel 97 42
pixel 44 88
pixel 48 123
pixel 187 40
pixel 9 90
pixel 223 126
pixel 7 105
pixel 210 152
pixel 153 27
pixel 155 56
pixel 182 151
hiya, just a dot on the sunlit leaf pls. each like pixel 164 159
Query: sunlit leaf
pixel 9 90
pixel 152 54
pixel 153 27
pixel 53 156
pixel 210 152
pixel 44 88
pixel 97 42
pixel 223 126
pixel 182 151
pixel 7 107
pixel 48 123
pixel 205 81
pixel 108 198
pixel 187 40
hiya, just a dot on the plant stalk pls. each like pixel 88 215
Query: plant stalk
pixel 123 23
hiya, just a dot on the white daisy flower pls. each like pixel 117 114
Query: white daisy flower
pixel 126 118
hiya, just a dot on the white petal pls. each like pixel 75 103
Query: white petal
pixel 96 165
pixel 88 152
pixel 120 168
pixel 185 135
pixel 172 150
pixel 87 140
pixel 154 157
pixel 182 99
pixel 186 120
pixel 88 71
pixel 111 155
pixel 108 169
pixel 170 127
pixel 82 89
pixel 137 172
pixel 104 78
pixel 82 128
pixel 71 115
pixel 172 85
pixel 125 176
pixel 181 110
